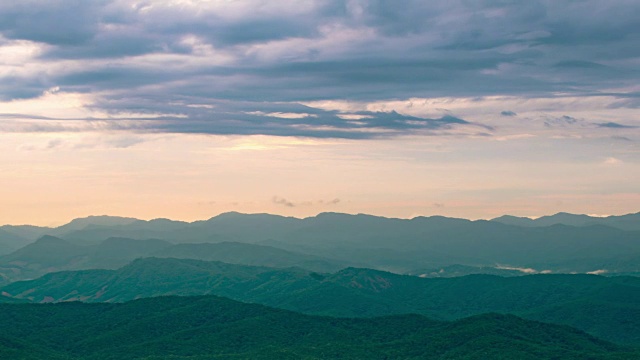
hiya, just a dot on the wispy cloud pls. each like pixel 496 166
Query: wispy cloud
pixel 284 202
pixel 612 161
pixel 613 125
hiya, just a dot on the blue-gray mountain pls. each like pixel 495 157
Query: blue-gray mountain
pixel 624 222
pixel 49 254
pixel 560 244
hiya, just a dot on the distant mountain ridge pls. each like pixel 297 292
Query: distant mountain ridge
pixel 50 254
pixel 249 254
pixel 624 222
pixel 10 241
pixel 629 222
pixel 399 245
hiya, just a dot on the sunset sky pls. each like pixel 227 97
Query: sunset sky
pixel 185 109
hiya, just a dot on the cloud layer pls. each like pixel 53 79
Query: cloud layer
pixel 247 67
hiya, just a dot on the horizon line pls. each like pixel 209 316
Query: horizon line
pixel 533 218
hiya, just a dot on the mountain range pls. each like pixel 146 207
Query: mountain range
pixel 558 243
pixel 601 306
pixel 49 254
pixel 480 289
pixel 624 222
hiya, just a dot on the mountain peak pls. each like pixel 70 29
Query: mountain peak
pixel 95 220
pixel 49 239
pixel 234 215
pixel 46 247
pixel 103 220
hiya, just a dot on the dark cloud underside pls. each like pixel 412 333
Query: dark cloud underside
pixel 249 59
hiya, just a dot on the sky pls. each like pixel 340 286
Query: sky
pixel 185 109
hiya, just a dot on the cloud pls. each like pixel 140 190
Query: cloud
pixel 622 138
pixel 329 202
pixel 612 161
pixel 613 125
pixel 261 56
pixel 52 22
pixel 52 144
pixel 561 121
pixel 237 118
pixel 282 201
pixel 123 142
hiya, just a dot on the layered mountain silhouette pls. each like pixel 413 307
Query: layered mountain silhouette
pixel 482 285
pixel 49 254
pixel 559 243
pixel 623 222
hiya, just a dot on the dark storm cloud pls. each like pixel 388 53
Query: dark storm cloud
pixel 508 113
pixel 247 57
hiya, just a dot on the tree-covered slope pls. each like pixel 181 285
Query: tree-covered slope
pixel 158 276
pixel 607 307
pixel 218 328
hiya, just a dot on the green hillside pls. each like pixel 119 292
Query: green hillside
pixel 606 307
pixel 218 328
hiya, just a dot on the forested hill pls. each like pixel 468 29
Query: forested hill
pixel 606 307
pixel 217 328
